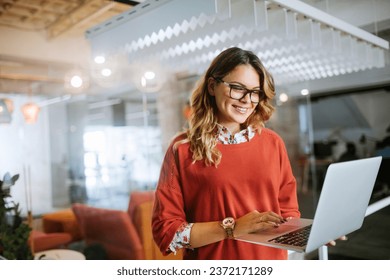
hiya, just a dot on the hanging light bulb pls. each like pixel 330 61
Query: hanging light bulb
pixel 106 72
pixel 109 73
pixel 30 112
pixel 10 105
pixel 187 111
pixel 283 97
pixel 99 59
pixel 5 114
pixel 76 81
pixel 149 83
pixel 304 91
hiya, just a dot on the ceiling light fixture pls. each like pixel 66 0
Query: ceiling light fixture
pixel 149 75
pixel 106 72
pixel 99 59
pixel 283 97
pixel 109 73
pixel 76 81
pixel 304 92
pixel 296 41
pixel 148 81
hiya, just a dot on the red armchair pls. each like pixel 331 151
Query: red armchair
pixel 123 235
pixel 111 229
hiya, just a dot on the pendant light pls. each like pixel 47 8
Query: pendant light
pixel 30 112
pixel 5 114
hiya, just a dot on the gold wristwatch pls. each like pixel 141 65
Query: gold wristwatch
pixel 228 225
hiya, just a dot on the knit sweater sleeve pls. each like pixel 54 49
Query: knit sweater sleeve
pixel 168 213
pixel 288 200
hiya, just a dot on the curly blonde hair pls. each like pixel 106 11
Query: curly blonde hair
pixel 201 133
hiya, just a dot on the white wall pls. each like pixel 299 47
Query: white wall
pixel 35 45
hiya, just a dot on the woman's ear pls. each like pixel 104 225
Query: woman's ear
pixel 211 86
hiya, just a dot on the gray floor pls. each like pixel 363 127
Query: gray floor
pixel 370 242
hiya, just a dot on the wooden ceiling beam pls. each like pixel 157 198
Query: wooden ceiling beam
pixel 31 78
pixel 82 13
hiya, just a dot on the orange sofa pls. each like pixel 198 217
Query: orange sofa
pixel 40 241
pixel 62 221
pixel 123 235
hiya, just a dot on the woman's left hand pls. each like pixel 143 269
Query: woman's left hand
pixel 333 242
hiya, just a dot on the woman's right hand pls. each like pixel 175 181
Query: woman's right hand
pixel 257 221
pixel 210 232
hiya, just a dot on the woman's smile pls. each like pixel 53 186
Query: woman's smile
pixel 241 110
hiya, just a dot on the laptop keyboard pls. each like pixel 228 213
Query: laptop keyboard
pixel 297 237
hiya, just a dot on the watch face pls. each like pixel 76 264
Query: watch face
pixel 228 222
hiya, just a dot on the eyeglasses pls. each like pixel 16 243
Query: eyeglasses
pixel 239 92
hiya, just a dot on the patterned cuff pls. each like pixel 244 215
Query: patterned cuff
pixel 181 238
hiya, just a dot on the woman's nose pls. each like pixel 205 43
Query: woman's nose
pixel 246 98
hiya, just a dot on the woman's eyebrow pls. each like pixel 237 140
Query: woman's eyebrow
pixel 241 84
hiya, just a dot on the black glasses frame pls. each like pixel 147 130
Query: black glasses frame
pixel 247 91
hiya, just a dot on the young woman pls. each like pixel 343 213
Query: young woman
pixel 227 175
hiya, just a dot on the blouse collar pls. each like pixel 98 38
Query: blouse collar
pixel 226 137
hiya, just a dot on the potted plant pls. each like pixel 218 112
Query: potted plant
pixel 14 233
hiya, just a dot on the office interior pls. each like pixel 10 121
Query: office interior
pixel 92 92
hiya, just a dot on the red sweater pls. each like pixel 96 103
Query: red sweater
pixel 255 175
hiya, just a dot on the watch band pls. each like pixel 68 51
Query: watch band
pixel 229 233
pixel 228 225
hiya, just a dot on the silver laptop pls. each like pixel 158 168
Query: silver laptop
pixel 341 209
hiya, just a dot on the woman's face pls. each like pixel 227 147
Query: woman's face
pixel 232 113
